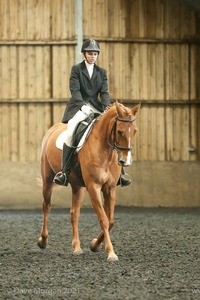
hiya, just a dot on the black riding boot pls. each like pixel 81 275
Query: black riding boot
pixel 61 178
pixel 124 181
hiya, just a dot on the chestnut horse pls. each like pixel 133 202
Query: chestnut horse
pixel 107 148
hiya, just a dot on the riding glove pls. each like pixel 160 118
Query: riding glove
pixel 86 110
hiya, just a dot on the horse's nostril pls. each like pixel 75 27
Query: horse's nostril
pixel 121 162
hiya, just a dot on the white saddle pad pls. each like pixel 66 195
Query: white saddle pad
pixel 62 137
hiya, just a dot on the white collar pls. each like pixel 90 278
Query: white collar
pixel 89 66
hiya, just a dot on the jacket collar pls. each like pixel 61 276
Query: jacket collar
pixel 85 71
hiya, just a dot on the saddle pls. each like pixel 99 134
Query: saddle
pixel 81 129
pixel 79 132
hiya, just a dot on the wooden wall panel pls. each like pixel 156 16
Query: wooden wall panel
pixel 24 72
pixel 63 19
pixel 63 60
pixel 22 127
pixel 37 20
pixel 34 72
pixel 139 19
pixel 194 132
pixel 58 111
pixel 177 75
pixel 8 74
pixel 42 124
pixel 146 48
pixel 148 71
pixel 36 119
pixel 196 75
pixel 5 139
pixel 151 146
pixel 14 132
pixel 177 133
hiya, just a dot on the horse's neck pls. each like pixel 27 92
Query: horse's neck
pixel 104 125
pixel 98 144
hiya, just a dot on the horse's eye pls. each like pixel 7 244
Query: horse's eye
pixel 120 133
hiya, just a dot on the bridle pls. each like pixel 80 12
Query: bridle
pixel 113 131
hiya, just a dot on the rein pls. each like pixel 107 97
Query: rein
pixel 115 146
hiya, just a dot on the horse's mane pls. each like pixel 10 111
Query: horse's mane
pixel 103 113
pixel 126 110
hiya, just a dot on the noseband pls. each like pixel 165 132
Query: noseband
pixel 113 131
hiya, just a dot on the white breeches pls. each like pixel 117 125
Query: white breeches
pixel 81 115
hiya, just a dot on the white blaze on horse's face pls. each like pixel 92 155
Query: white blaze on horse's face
pixel 124 133
pixel 128 161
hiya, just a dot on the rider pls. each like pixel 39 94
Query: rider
pixel 87 82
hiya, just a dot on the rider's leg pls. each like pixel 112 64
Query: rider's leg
pixel 61 178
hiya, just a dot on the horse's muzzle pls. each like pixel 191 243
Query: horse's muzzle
pixel 125 161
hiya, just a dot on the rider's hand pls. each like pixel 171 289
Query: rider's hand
pixel 86 110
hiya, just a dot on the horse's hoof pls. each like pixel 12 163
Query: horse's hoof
pixel 93 246
pixel 42 243
pixel 78 252
pixel 112 258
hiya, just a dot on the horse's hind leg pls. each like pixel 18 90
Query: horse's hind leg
pixel 77 198
pixel 47 191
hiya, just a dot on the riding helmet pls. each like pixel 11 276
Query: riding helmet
pixel 90 45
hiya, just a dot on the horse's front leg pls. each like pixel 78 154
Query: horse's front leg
pixel 47 191
pixel 109 205
pixel 77 198
pixel 104 220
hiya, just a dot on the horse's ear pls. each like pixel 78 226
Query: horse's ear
pixel 135 109
pixel 119 109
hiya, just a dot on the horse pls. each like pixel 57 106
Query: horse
pixel 107 148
